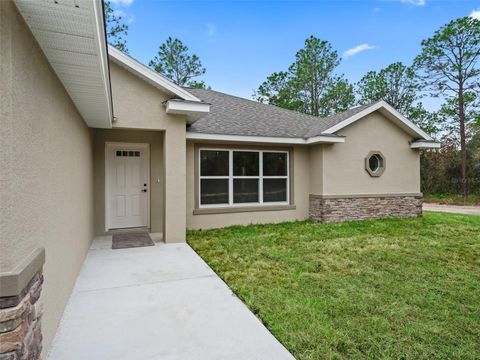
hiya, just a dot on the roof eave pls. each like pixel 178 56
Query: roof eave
pixel 149 75
pixel 391 113
pixel 82 21
pixel 327 139
pixel 194 110
pixel 424 144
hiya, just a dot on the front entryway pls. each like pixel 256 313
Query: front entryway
pixel 127 185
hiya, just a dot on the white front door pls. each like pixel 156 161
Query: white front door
pixel 127 185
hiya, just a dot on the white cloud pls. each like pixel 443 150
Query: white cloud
pixel 414 2
pixel 129 18
pixel 475 14
pixel 211 29
pixel 357 49
pixel 122 2
pixel 118 12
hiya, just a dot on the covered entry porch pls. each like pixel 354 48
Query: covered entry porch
pixel 129 169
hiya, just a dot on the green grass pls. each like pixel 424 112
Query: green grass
pixel 395 288
pixel 452 199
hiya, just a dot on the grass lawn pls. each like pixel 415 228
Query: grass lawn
pixel 452 199
pixel 396 288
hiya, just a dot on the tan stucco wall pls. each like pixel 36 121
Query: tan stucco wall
pixel 300 197
pixel 155 140
pixel 316 169
pixel 344 164
pixel 46 168
pixel 139 105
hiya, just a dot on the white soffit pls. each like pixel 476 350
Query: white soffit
pixel 71 34
pixel 193 109
pixel 423 144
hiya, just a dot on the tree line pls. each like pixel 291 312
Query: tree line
pixel 446 68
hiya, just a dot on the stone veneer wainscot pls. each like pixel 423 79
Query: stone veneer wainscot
pixel 354 207
pixel 20 322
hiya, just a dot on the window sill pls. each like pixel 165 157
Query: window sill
pixel 239 209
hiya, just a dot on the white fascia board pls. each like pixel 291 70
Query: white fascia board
pixel 102 43
pixel 265 139
pixel 380 105
pixel 325 139
pixel 71 35
pixel 186 107
pixel 425 144
pixel 149 75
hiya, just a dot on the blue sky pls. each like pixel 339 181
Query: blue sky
pixel 241 42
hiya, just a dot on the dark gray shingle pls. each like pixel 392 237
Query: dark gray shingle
pixel 231 115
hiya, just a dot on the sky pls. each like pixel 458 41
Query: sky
pixel 240 43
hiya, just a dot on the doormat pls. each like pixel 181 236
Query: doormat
pixel 131 240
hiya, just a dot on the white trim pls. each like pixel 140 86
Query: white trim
pixel 149 75
pixel 81 68
pixel 175 106
pixel 265 139
pixel 325 139
pixel 113 144
pixel 425 144
pixel 102 44
pixel 230 177
pixel 411 127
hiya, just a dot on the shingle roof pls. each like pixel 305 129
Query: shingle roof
pixel 231 115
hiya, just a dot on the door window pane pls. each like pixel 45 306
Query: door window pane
pixel 213 191
pixel 245 163
pixel 213 163
pixel 274 190
pixel 245 190
pixel 274 164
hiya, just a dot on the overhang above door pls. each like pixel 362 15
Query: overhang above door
pixel 71 34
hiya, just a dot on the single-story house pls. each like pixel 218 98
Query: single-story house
pixel 94 141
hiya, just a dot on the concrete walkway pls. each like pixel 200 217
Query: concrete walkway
pixel 456 209
pixel 159 302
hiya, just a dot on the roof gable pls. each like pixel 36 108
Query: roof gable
pixel 388 111
pixel 328 122
pixel 149 75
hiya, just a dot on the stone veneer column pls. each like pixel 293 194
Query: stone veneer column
pixel 360 207
pixel 20 314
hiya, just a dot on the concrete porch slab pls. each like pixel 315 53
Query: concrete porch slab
pixel 160 302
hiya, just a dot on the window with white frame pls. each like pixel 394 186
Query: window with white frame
pixel 230 177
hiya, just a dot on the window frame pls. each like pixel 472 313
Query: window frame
pixel 381 166
pixel 231 178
